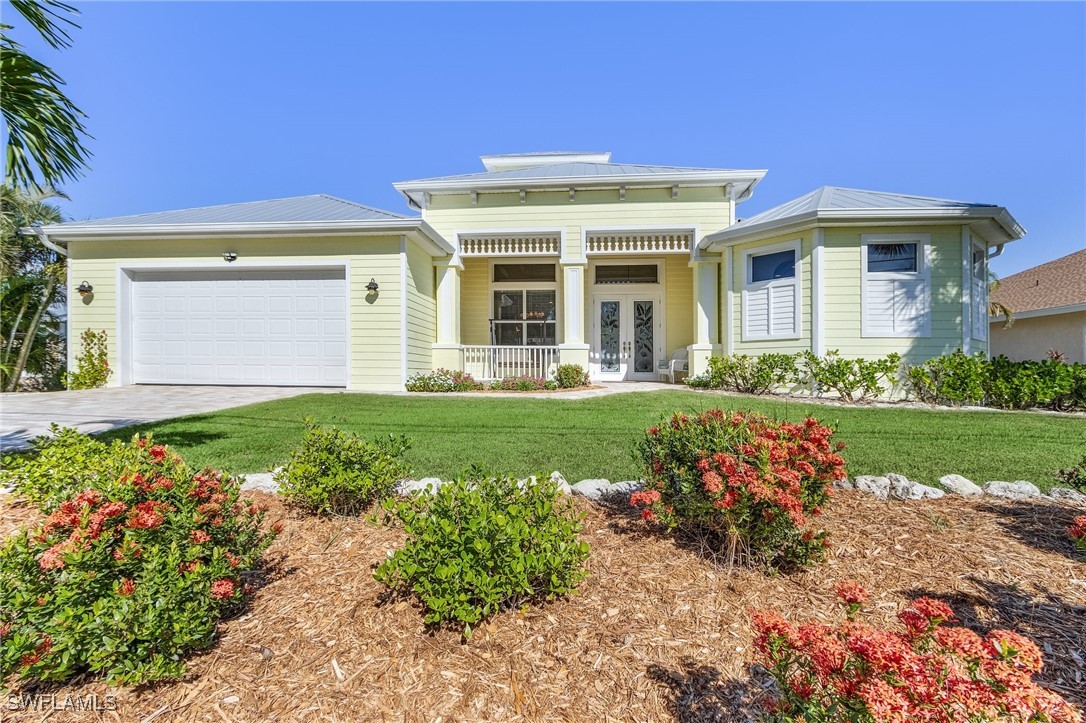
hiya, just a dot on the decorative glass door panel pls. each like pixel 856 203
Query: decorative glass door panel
pixel 626 336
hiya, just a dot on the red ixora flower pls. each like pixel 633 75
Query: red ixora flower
pixel 199 537
pixel 852 592
pixel 1077 530
pixel 157 453
pixel 148 515
pixel 126 588
pixel 222 589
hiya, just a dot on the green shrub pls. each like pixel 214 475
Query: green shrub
pixel 853 379
pixel 443 380
pixel 481 544
pixel 760 374
pixel 962 379
pixel 339 473
pixel 745 485
pixel 128 579
pixel 92 364
pixel 571 376
pixel 1074 476
pixel 524 383
pixel 65 462
pixel 953 379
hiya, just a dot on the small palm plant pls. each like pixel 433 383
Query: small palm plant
pixel 996 308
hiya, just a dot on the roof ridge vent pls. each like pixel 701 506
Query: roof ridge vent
pixel 511 161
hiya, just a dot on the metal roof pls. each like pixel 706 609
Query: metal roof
pixel 299 209
pixel 833 202
pixel 570 170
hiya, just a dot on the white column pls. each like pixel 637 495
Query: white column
pixel 818 295
pixel 573 349
pixel 967 290
pixel 706 326
pixel 447 352
pixel 727 266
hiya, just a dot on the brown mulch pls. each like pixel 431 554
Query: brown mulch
pixel 657 633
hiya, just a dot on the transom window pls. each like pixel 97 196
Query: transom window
pixel 524 272
pixel 894 258
pixel 779 265
pixel 628 274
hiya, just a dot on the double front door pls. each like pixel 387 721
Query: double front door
pixel 627 336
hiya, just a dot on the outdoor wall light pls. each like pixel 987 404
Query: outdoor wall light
pixel 372 286
pixel 84 289
pixel 229 256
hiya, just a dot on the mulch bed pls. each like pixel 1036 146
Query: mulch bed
pixel 657 633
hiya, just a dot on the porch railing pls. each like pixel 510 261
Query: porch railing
pixel 499 362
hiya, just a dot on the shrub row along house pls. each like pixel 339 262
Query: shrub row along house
pixel 627 270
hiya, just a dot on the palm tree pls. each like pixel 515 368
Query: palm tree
pixel 994 307
pixel 44 128
pixel 33 282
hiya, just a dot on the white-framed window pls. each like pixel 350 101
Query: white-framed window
pixel 771 306
pixel 524 304
pixel 895 291
pixel 978 294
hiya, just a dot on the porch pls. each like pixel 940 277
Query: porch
pixel 628 306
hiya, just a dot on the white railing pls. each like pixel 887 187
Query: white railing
pixel 639 242
pixel 487 363
pixel 510 245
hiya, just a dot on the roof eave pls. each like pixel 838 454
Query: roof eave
pixel 1010 229
pixel 416 227
pixel 413 191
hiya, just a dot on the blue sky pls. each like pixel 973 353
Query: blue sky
pixel 203 103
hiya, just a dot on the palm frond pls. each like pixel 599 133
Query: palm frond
pixel 49 18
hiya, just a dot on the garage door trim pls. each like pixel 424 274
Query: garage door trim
pixel 126 271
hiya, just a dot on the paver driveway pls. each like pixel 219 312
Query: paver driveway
pixel 25 416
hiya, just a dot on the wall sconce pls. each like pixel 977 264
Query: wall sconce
pixel 229 257
pixel 84 289
pixel 372 286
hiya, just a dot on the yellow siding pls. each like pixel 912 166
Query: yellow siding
pixel 375 323
pixel 475 302
pixel 678 303
pixel 766 346
pixel 842 296
pixel 421 310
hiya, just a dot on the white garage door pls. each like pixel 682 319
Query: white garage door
pixel 285 327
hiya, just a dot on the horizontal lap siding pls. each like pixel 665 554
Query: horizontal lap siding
pixel 475 302
pixel 739 275
pixel 421 310
pixel 375 324
pixel 843 275
pixel 679 303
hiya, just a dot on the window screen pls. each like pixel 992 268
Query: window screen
pixel 891 257
pixel 781 265
pixel 524 272
pixel 628 274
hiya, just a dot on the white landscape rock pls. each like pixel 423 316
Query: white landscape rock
pixel 877 486
pixel 426 484
pixel 558 479
pixel 260 482
pixel 960 485
pixel 1020 490
pixel 903 488
pixel 601 489
pixel 844 484
pixel 1066 494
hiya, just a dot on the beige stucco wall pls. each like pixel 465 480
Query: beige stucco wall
pixel 375 348
pixel 1031 338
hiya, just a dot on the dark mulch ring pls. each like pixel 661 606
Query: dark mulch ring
pixel 657 633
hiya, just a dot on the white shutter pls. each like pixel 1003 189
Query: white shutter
pixel 910 307
pixel 782 309
pixel 756 312
pixel 896 307
pixel 879 307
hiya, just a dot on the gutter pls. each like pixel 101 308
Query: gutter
pixel 43 237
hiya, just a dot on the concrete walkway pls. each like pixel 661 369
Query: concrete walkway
pixel 25 416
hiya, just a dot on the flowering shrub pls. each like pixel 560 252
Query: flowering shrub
pixel 92 364
pixel 339 473
pixel 481 544
pixel 855 672
pixel 571 376
pixel 1077 531
pixel 1074 476
pixel 524 383
pixel 749 482
pixel 128 578
pixel 443 380
pixel 852 379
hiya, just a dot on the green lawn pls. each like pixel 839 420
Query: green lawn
pixel 595 437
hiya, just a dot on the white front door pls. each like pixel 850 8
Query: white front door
pixel 627 336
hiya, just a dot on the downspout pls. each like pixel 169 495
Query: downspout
pixel 998 251
pixel 44 238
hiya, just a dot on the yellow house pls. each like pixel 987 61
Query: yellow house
pixel 628 270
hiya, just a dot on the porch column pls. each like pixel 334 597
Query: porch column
pixel 573 349
pixel 448 353
pixel 706 313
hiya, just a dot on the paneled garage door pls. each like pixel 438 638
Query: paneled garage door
pixel 281 327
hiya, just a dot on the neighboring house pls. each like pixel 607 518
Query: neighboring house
pixel 1049 307
pixel 538 259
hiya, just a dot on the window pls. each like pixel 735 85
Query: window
pixel 771 300
pixel 887 258
pixel 765 267
pixel 524 272
pixel 628 274
pixel 979 292
pixel 895 296
pixel 524 317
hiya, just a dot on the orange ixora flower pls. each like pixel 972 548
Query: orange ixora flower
pixel 222 588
